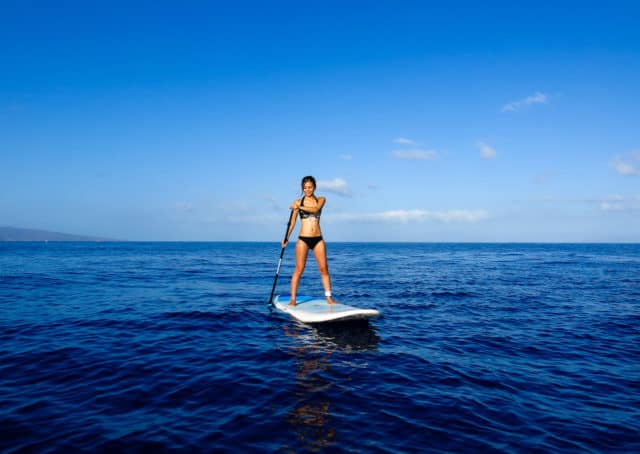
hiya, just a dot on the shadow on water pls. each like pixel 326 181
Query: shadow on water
pixel 357 335
pixel 310 415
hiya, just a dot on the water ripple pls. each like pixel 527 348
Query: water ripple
pixel 172 347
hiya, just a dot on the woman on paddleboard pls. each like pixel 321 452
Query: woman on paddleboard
pixel 309 207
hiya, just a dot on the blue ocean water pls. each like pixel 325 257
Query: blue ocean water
pixel 154 347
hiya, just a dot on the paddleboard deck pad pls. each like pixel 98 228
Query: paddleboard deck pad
pixel 309 309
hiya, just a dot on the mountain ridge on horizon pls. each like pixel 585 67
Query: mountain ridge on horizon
pixel 8 233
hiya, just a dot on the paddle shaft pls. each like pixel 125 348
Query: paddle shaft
pixel 275 280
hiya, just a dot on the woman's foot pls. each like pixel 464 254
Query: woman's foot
pixel 330 300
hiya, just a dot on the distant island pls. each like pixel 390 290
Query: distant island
pixel 18 234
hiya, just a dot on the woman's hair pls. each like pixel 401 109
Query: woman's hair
pixel 308 179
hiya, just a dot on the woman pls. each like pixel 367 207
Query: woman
pixel 310 238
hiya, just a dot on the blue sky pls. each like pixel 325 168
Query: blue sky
pixel 422 121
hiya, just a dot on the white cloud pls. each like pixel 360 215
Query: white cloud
pixel 417 154
pixel 273 202
pixel 614 203
pixel 404 141
pixel 336 186
pixel 183 207
pixel 619 203
pixel 486 151
pixel 346 157
pixel 245 218
pixel 606 206
pixel 537 98
pixel 418 216
pixel 627 168
pixel 544 177
pixel 615 198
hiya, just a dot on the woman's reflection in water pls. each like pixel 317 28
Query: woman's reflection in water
pixel 311 415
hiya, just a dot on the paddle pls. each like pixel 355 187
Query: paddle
pixel 275 280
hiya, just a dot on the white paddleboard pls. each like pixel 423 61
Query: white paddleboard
pixel 309 309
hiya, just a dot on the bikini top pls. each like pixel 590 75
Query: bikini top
pixel 305 214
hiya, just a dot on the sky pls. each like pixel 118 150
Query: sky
pixel 428 121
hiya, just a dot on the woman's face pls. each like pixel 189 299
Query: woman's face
pixel 308 188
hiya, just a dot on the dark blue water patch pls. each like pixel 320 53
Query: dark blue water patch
pixel 173 347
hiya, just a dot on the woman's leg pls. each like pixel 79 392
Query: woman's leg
pixel 302 251
pixel 320 252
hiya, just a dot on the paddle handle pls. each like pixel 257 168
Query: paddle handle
pixel 275 279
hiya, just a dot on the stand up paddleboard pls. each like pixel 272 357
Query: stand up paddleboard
pixel 309 309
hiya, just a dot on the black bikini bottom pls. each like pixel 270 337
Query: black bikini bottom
pixel 310 241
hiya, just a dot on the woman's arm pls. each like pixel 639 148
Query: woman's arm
pixel 294 217
pixel 321 201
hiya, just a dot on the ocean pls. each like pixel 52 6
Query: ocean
pixel 172 347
